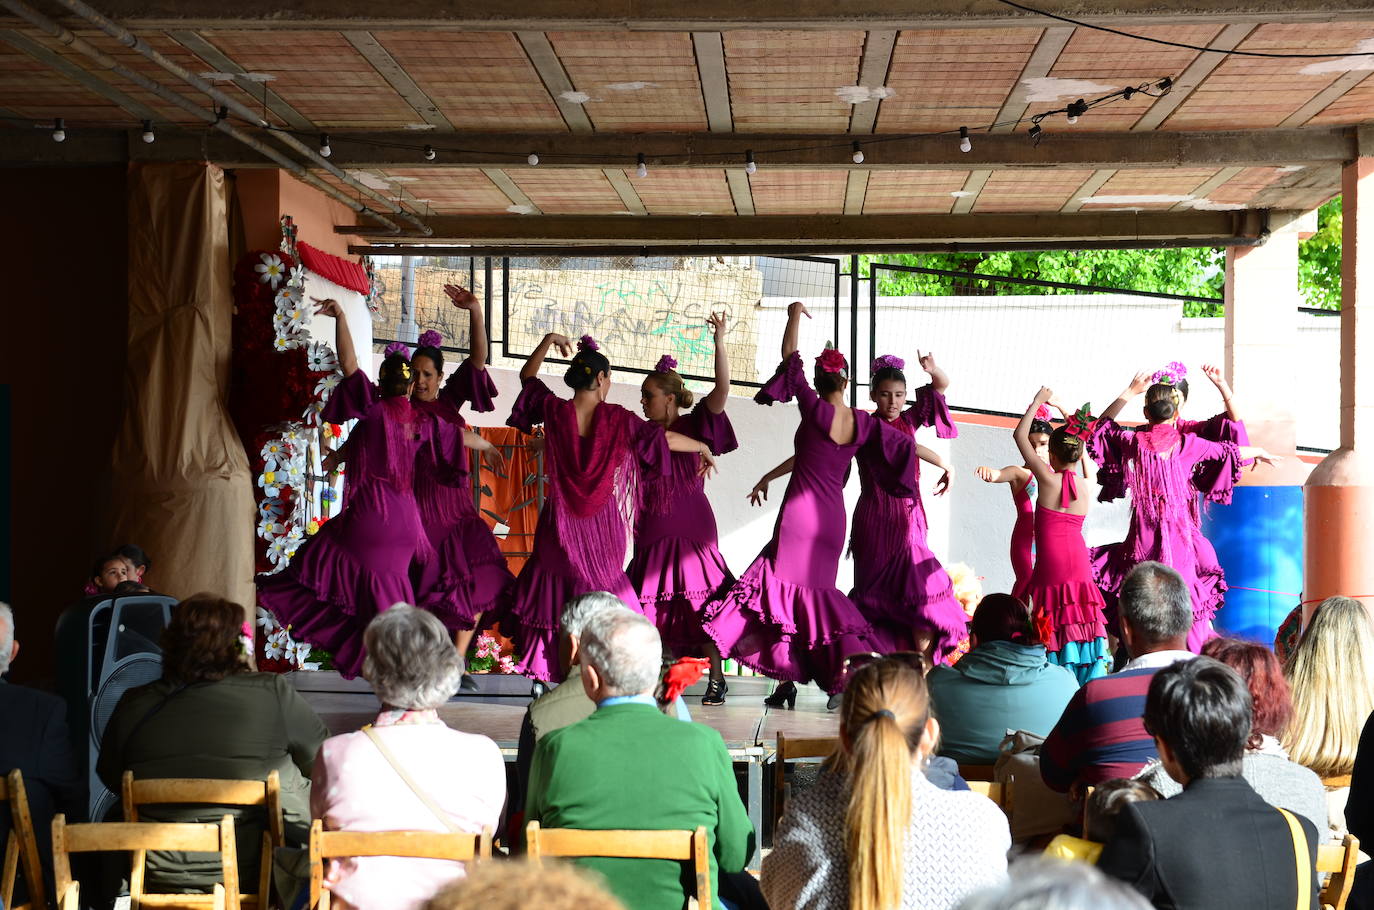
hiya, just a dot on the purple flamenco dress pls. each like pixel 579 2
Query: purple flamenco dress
pixel 784 616
pixel 1165 470
pixel 583 529
pixel 899 585
pixel 468 573
pixel 677 564
pixel 358 565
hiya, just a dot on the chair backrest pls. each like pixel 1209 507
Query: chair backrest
pixel 1338 861
pixel 21 846
pixel 210 792
pixel 681 845
pixel 976 772
pixel 138 838
pixel 999 793
pixel 793 748
pixel 455 846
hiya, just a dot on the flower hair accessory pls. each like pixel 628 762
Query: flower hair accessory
pixel 246 639
pixel 1043 413
pixel 397 347
pixel 430 339
pixel 587 343
pixel 1171 374
pixel 666 364
pixel 888 362
pixel 1080 423
pixel 832 361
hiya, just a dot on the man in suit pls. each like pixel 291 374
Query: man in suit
pixel 35 741
pixel 630 766
pixel 1217 844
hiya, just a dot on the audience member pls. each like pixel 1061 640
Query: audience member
pixel 1218 843
pixel 1051 884
pixel 1004 683
pixel 1100 736
pixel 1332 675
pixel 1099 818
pixel 108 572
pixel 406 770
pixel 1359 815
pixel 873 833
pixel 1267 768
pixel 210 717
pixel 138 560
pixel 630 766
pixel 125 588
pixel 520 884
pixel 35 741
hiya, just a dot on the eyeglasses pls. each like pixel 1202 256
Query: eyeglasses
pixel 855 662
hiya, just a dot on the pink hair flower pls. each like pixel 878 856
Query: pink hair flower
pixel 832 361
pixel 587 343
pixel 430 339
pixel 397 347
pixel 1172 373
pixel 1043 413
pixel 666 364
pixel 888 361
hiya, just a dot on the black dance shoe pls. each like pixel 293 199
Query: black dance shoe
pixel 784 695
pixel 715 691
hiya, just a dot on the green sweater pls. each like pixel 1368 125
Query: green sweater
pixel 631 766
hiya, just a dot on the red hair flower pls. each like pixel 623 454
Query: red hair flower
pixel 832 361
pixel 1080 423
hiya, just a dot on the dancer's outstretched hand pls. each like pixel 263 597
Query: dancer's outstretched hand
pixel 926 360
pixel 986 474
pixel 562 342
pixel 759 495
pixel 796 307
pixel 462 298
pixel 493 459
pixel 1139 383
pixel 1213 372
pixel 1264 457
pixel 942 485
pixel 1045 394
pixel 720 324
pixel 707 466
pixel 328 307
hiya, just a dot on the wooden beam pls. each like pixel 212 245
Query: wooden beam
pixel 1323 99
pixel 137 109
pixel 820 229
pixel 1087 189
pixel 973 185
pixel 873 69
pixel 1211 183
pixel 396 76
pixel 1042 60
pixel 855 190
pixel 625 190
pixel 741 193
pixel 197 44
pixel 550 69
pixel 506 185
pixel 715 83
pixel 1192 77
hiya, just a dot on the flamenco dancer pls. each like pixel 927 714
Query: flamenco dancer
pixel 784 616
pixel 596 455
pixel 1021 480
pixel 359 563
pixel 1066 606
pixel 1164 470
pixel 677 564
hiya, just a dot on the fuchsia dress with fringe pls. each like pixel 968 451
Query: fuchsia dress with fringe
pixel 784 616
pixel 468 573
pixel 358 565
pixel 677 564
pixel 1165 470
pixel 1066 605
pixel 899 585
pixel 582 535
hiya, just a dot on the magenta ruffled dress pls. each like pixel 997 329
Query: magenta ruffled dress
pixel 677 564
pixel 358 565
pixel 1165 470
pixel 784 616
pixel 1023 533
pixel 583 530
pixel 899 585
pixel 468 573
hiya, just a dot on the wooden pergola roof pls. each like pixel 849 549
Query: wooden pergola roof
pixel 588 85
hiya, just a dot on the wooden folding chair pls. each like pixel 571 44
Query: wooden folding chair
pixel 458 847
pixel 682 845
pixel 265 794
pixel 21 845
pixel 999 793
pixel 976 772
pixel 1337 861
pixel 789 750
pixel 138 838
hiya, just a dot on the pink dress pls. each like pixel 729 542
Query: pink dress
pixel 784 616
pixel 583 530
pixel 1066 603
pixel 677 564
pixel 1023 532
pixel 899 585
pixel 468 573
pixel 1165 470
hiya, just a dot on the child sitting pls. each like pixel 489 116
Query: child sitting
pixel 1099 819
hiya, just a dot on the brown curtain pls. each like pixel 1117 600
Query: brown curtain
pixel 182 488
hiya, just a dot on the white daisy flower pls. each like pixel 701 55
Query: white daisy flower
pixel 320 358
pixel 274 450
pixel 270 527
pixel 271 270
pixel 285 342
pixel 275 645
pixel 289 297
pixel 296 278
pixel 311 415
pixel 327 384
pixel 267 621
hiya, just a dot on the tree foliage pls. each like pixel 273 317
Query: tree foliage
pixel 1319 260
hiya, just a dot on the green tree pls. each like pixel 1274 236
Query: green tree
pixel 1319 260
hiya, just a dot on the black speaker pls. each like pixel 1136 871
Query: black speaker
pixel 117 643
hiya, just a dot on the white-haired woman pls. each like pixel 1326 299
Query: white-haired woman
pixel 407 769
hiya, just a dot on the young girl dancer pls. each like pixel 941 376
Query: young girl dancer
pixel 1023 493
pixel 677 564
pixel 785 617
pixel 1066 606
pixel 1165 470
pixel 596 455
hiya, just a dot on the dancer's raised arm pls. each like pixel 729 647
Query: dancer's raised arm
pixel 795 311
pixel 720 392
pixel 1227 396
pixel 1139 383
pixel 464 299
pixel 939 379
pixel 343 338
pixel 759 494
pixel 930 456
pixel 1021 434
pixel 536 359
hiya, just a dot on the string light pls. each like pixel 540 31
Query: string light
pixel 858 155
pixel 641 169
pixel 1035 133
pixel 750 167
pixel 59 130
pixel 222 113
pixel 1077 109
pixel 429 153
pixel 965 143
pixel 325 150
pixel 148 134
pixel 532 160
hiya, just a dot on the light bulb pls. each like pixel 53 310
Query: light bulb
pixel 965 144
pixel 148 134
pixel 1076 110
pixel 641 169
pixel 429 153
pixel 1035 133
pixel 59 130
pixel 325 150
pixel 750 167
pixel 533 160
pixel 858 155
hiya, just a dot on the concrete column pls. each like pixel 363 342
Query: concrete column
pixel 1340 492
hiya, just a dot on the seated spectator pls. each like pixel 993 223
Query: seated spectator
pixel 108 572
pixel 1005 683
pixel 1052 884
pixel 1100 735
pixel 873 833
pixel 1332 676
pixel 125 588
pixel 1099 818
pixel 520 884
pixel 138 560
pixel 211 717
pixel 35 741
pixel 630 766
pixel 407 770
pixel 1218 843
pixel 1267 768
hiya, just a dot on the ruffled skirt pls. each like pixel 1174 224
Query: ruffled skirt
pixel 675 577
pixel 467 576
pixel 909 594
pixel 1206 585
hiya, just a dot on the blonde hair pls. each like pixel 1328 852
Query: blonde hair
pixel 886 707
pixel 515 884
pixel 1332 675
pixel 670 383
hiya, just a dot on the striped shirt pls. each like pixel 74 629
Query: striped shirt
pixel 1101 734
